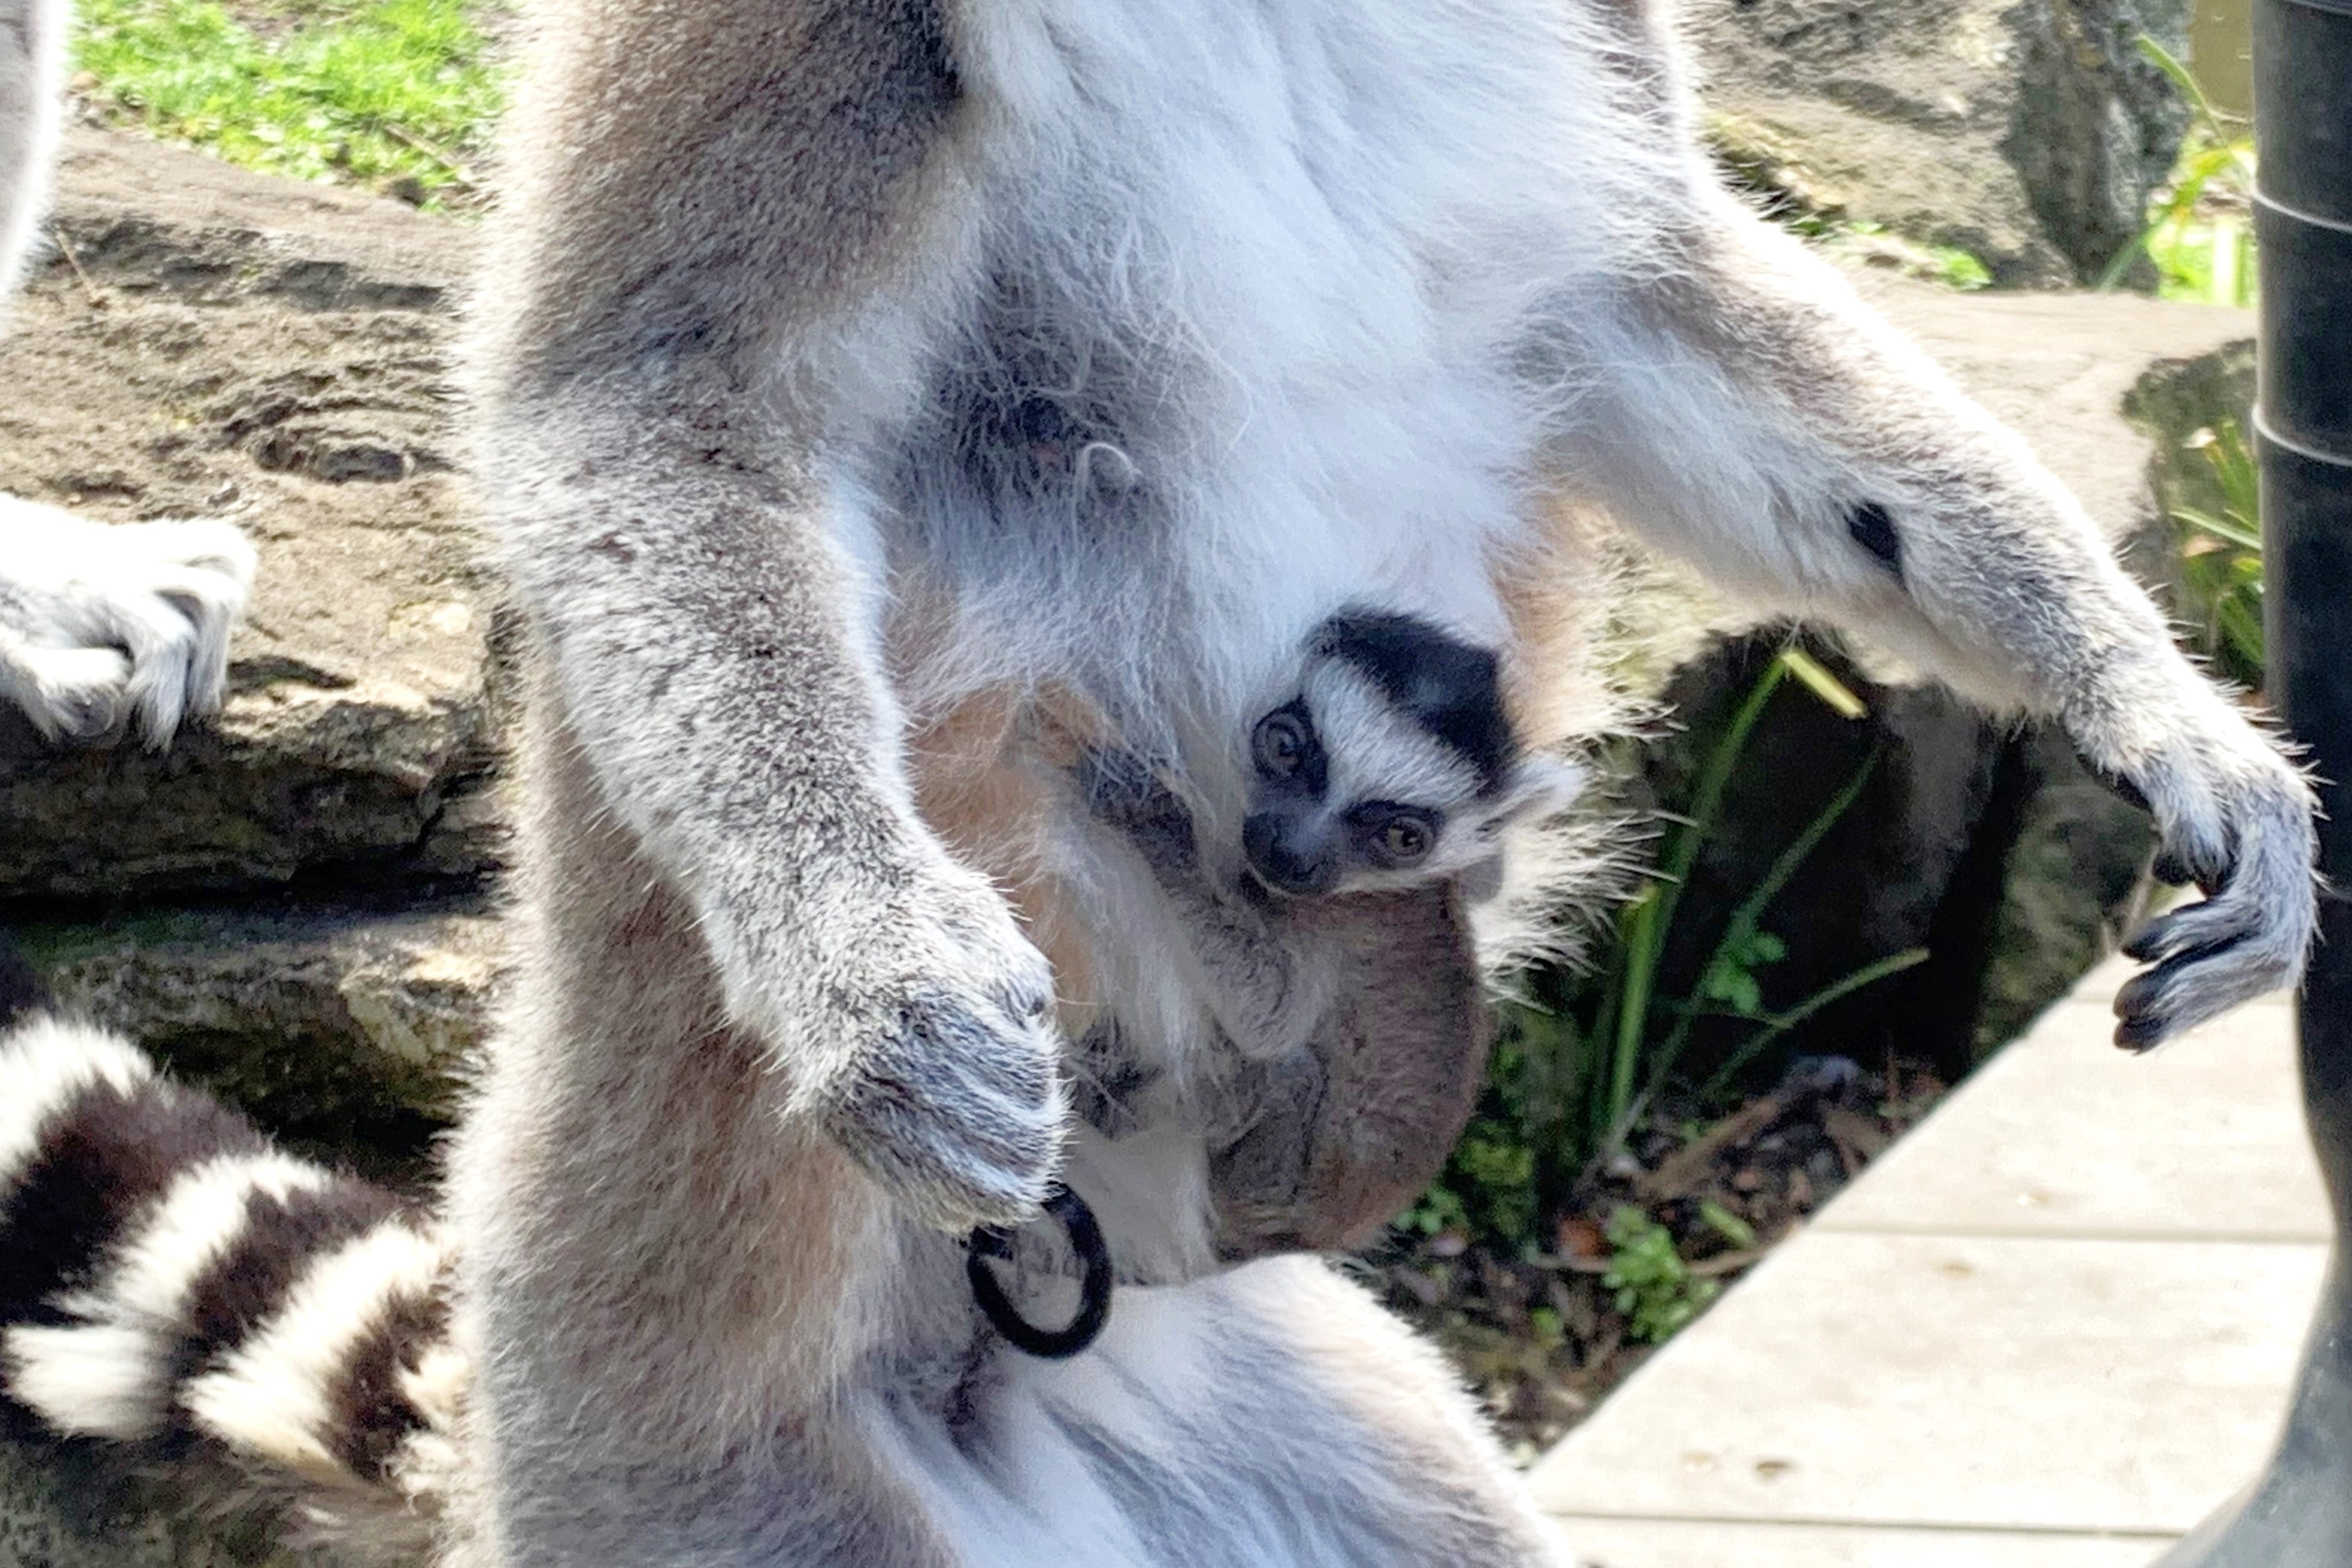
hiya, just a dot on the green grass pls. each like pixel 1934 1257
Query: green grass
pixel 390 95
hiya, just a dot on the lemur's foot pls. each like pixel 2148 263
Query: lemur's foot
pixel 104 627
pixel 2235 817
pixel 952 1100
pixel 74 696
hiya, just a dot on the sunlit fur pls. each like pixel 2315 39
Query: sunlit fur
pixel 878 400
pixel 102 630
pixel 32 82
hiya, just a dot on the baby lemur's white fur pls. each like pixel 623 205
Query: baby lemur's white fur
pixel 885 402
pixel 101 629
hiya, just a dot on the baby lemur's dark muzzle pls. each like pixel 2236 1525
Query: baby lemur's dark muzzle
pixel 1291 853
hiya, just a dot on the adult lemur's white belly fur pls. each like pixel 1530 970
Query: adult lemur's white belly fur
pixel 1237 337
pixel 1265 332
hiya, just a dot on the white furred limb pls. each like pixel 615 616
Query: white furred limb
pixel 109 629
pixel 1757 421
pixel 32 86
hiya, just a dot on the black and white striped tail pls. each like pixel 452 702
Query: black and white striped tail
pixel 168 1278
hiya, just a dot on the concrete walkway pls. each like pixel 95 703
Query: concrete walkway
pixel 2052 1328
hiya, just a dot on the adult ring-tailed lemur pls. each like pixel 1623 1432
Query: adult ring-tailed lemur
pixel 101 629
pixel 885 404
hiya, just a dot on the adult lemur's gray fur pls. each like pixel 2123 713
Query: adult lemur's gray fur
pixel 100 628
pixel 851 365
pixel 32 76
pixel 884 403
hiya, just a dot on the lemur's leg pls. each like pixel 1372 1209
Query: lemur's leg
pixel 103 625
pixel 32 82
pixel 1246 952
pixel 682 302
pixel 668 1282
pixel 1738 406
pixel 1357 1126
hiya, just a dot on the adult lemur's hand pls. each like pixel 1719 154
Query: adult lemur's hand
pixel 953 1104
pixel 2236 818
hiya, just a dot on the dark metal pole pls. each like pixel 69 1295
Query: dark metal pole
pixel 2298 1514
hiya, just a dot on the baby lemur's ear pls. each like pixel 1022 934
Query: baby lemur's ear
pixel 1542 786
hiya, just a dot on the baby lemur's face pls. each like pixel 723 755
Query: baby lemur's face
pixel 1392 765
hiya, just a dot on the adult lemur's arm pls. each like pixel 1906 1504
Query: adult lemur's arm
pixel 1759 422
pixel 710 203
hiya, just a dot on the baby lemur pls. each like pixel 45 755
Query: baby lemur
pixel 1391 762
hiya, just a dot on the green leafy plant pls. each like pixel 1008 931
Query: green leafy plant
pixel 1572 1074
pixel 2198 233
pixel 2221 556
pixel 1655 1289
pixel 388 94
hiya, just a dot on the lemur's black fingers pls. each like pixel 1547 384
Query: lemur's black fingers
pixel 2159 1001
pixel 2218 954
pixel 2148 945
pixel 2203 927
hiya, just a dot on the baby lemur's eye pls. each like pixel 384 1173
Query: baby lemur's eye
pixel 1406 839
pixel 1279 744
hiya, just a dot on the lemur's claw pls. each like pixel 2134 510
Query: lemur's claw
pixel 955 1103
pixel 2236 820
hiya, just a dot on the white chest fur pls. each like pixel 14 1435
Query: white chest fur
pixel 1267 324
